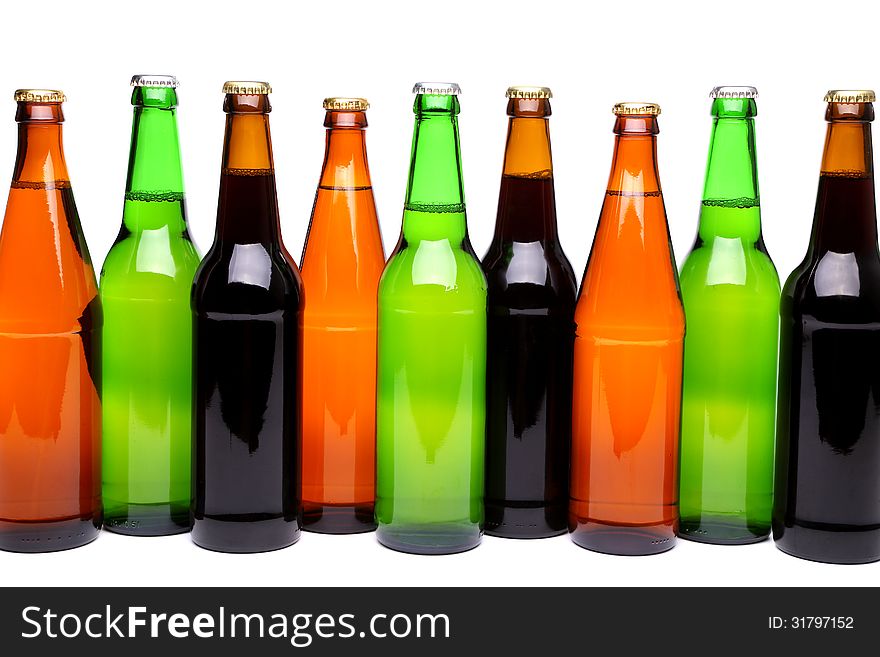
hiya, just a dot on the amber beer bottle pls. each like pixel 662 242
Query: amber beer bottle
pixel 827 496
pixel 246 300
pixel 628 359
pixel 50 319
pixel 531 298
pixel 341 265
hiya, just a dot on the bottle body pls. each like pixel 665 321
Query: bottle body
pixel 730 291
pixel 828 453
pixel 342 262
pixel 432 358
pixel 246 303
pixel 50 322
pixel 147 363
pixel 628 365
pixel 531 298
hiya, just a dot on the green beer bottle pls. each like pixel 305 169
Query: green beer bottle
pixel 730 291
pixel 432 352
pixel 147 367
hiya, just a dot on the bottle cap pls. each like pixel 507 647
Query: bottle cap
pixel 248 88
pixel 636 109
pixel 733 92
pixel 39 96
pixel 524 91
pixel 437 88
pixel 850 96
pixel 346 104
pixel 154 81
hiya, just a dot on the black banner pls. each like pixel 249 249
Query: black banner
pixel 424 622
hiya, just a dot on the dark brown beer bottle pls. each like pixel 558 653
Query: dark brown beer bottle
pixel 532 294
pixel 827 497
pixel 50 322
pixel 247 300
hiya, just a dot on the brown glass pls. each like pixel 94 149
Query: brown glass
pixel 531 299
pixel 827 496
pixel 247 300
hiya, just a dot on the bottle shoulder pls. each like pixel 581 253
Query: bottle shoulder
pixel 835 286
pixel 433 268
pixel 246 278
pixel 731 263
pixel 529 274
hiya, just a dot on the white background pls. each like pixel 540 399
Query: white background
pixel 590 54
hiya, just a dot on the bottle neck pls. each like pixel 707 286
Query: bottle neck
pixel 846 219
pixel 345 154
pixel 248 209
pixel 40 159
pixel 526 204
pixel 634 167
pixel 731 200
pixel 435 207
pixel 154 168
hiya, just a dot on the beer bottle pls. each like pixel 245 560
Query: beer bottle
pixel 432 351
pixel 730 291
pixel 827 497
pixel 247 300
pixel 147 364
pixel 341 265
pixel 50 352
pixel 628 359
pixel 531 297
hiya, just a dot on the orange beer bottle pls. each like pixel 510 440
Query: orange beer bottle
pixel 50 318
pixel 341 265
pixel 628 359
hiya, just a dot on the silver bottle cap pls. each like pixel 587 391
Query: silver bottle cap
pixel 734 92
pixel 437 88
pixel 154 81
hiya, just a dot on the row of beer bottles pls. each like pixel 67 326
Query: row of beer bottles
pixel 296 420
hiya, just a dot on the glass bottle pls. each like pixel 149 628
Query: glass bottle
pixel 827 486
pixel 147 337
pixel 730 291
pixel 432 352
pixel 247 301
pixel 341 265
pixel 531 298
pixel 628 359
pixel 50 350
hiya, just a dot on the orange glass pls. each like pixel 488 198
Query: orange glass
pixel 628 363
pixel 50 412
pixel 341 265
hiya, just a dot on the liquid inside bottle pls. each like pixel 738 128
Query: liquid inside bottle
pixel 147 338
pixel 628 360
pixel 342 262
pixel 246 301
pixel 731 297
pixel 827 501
pixel 531 298
pixel 50 322
pixel 432 353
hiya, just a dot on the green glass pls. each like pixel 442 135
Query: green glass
pixel 432 353
pixel 730 290
pixel 147 367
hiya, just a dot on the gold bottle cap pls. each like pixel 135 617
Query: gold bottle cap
pixel 248 88
pixel 636 109
pixel 524 91
pixel 154 81
pixel 437 88
pixel 850 96
pixel 346 104
pixel 733 92
pixel 39 96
